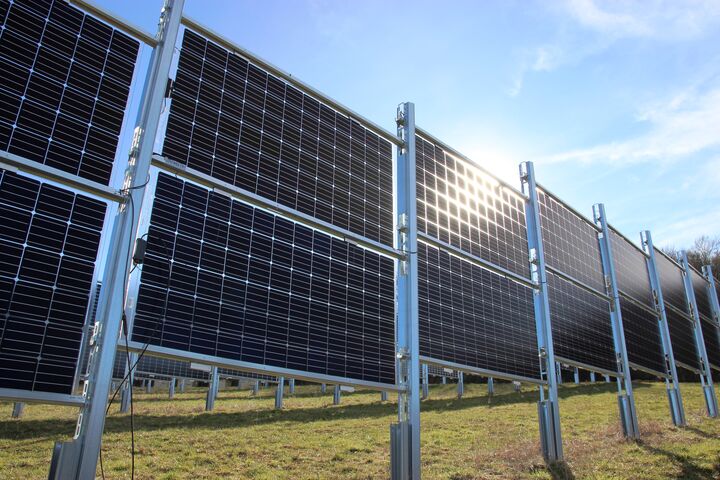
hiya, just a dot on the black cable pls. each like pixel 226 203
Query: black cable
pixel 134 365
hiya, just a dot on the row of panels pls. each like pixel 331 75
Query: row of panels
pixel 232 280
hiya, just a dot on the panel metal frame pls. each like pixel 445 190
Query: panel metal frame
pixel 626 397
pixel 548 406
pixel 705 372
pixel 672 383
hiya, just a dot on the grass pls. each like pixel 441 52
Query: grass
pixel 474 438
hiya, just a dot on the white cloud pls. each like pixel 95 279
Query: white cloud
pixel 684 232
pixel 596 26
pixel 684 125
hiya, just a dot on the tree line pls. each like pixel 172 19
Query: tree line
pixel 705 250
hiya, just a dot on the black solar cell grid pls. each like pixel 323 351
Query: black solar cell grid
pixel 459 204
pixel 711 337
pixel 66 81
pixel 48 246
pixel 236 122
pixel 642 337
pixel 251 286
pixel 702 299
pixel 473 317
pixel 682 338
pixel 580 324
pixel 631 269
pixel 571 243
pixel 671 282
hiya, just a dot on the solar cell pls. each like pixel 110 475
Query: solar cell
pixel 471 316
pixel 459 204
pixel 631 269
pixel 66 81
pixel 248 285
pixel 671 282
pixel 581 324
pixel 571 242
pixel 48 246
pixel 236 122
pixel 682 338
pixel 642 337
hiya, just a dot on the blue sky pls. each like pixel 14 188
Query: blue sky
pixel 616 102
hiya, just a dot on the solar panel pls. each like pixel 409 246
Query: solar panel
pixel 671 282
pixel 48 246
pixel 571 243
pixel 642 337
pixel 236 122
pixel 471 316
pixel 463 206
pixel 66 80
pixel 581 324
pixel 711 337
pixel 631 269
pixel 702 299
pixel 248 285
pixel 682 338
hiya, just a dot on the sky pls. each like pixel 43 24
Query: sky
pixel 615 101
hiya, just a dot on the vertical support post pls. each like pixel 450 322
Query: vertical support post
pixel 460 385
pixel 256 387
pixel 182 385
pixel 706 380
pixel 592 377
pixel 148 386
pixel 337 394
pixel 18 409
pixel 576 376
pixel 279 393
pixel 405 435
pixel 516 385
pixel 212 390
pixel 607 378
pixel 383 396
pixel 713 296
pixel 425 381
pixel 78 458
pixel 444 380
pixel 491 386
pixel 626 396
pixel 291 385
pixel 677 410
pixel 323 388
pixel 558 367
pixel 126 396
pixel 548 408
pixel 171 388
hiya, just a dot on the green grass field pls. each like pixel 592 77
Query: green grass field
pixel 474 438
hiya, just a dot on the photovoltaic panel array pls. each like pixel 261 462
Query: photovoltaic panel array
pixel 571 243
pixel 671 282
pixel 166 368
pixel 642 337
pixel 581 324
pixel 248 285
pixel 463 206
pixel 631 269
pixel 48 246
pixel 66 81
pixel 682 338
pixel 702 299
pixel 236 122
pixel 471 316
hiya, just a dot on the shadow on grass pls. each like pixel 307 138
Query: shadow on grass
pixel 560 471
pixel 689 470
pixel 27 429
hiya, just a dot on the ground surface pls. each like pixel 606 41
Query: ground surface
pixel 472 438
